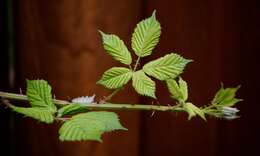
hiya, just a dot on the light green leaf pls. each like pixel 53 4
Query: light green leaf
pixel 40 114
pixel 115 77
pixel 71 109
pixel 226 97
pixel 143 84
pixel 146 36
pixel 89 126
pixel 169 66
pixel 116 48
pixel 230 102
pixel 39 94
pixel 193 110
pixel 178 91
pixel 174 89
pixel 183 89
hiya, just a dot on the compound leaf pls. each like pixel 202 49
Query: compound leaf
pixel 39 94
pixel 89 126
pixel 146 36
pixel 116 48
pixel 143 84
pixel 115 77
pixel 169 66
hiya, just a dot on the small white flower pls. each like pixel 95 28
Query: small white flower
pixel 84 99
pixel 229 113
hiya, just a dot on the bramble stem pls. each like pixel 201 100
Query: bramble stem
pixel 109 97
pixel 136 64
pixel 105 106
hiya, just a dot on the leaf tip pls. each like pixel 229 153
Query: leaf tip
pixel 101 32
pixel 189 60
pixel 123 128
pixel 154 14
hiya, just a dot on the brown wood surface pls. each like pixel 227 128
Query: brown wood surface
pixel 57 40
pixel 221 37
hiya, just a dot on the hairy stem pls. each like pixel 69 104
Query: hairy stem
pixel 105 106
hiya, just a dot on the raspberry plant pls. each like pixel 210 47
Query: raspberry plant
pixel 85 119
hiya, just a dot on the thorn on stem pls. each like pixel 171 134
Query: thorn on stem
pixel 63 119
pixel 102 100
pixel 152 113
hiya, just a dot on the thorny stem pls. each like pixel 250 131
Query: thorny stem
pixel 104 106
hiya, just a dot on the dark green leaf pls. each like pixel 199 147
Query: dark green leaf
pixel 71 109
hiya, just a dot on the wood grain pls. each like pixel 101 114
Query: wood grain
pixel 58 41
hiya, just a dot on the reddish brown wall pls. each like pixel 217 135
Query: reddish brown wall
pixel 58 41
pixel 221 36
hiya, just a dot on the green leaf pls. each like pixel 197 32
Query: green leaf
pixel 143 84
pixel 116 48
pixel 71 109
pixel 178 91
pixel 115 77
pixel 174 89
pixel 40 114
pixel 230 102
pixel 89 126
pixel 39 94
pixel 226 97
pixel 169 66
pixel 193 110
pixel 183 89
pixel 146 36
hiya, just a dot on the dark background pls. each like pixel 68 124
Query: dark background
pixel 57 40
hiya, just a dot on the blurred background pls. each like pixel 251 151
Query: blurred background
pixel 58 41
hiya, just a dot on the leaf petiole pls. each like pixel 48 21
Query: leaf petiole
pixel 137 63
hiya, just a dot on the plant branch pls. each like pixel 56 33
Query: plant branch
pixel 105 106
pixel 8 105
pixel 109 97
pixel 136 64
